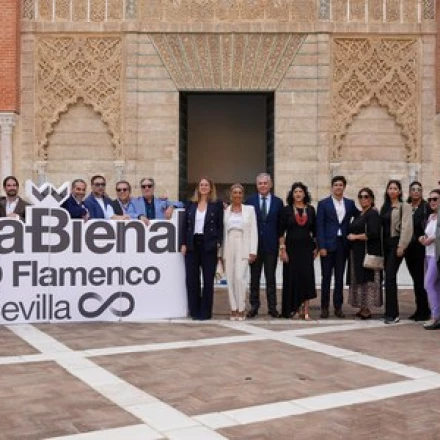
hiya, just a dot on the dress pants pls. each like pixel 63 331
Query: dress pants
pixel 432 286
pixel 333 261
pixel 200 301
pixel 269 261
pixel 236 268
pixel 392 264
pixel 415 260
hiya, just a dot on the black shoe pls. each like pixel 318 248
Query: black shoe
pixel 390 320
pixel 274 314
pixel 434 325
pixel 423 317
pixel 413 317
pixel 324 313
pixel 339 313
pixel 252 313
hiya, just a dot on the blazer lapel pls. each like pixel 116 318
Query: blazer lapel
pixel 333 209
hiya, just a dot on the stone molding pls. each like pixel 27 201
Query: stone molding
pixel 380 68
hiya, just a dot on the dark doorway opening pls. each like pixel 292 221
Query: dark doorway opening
pixel 228 137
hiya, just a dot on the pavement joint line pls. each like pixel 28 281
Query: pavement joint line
pixel 282 409
pixel 157 415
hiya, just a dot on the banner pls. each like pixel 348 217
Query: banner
pixel 54 268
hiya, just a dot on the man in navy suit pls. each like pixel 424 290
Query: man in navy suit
pixel 149 207
pixel 75 203
pixel 332 221
pixel 97 203
pixel 268 208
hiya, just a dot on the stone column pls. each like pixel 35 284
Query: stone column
pixel 40 167
pixel 7 123
pixel 413 172
pixel 119 169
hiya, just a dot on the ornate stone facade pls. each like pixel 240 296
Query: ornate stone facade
pixel 335 68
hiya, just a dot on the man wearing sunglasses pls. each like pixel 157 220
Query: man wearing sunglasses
pixel 149 207
pixel 97 203
pixel 123 205
pixel 415 252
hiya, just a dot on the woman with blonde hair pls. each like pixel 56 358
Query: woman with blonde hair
pixel 201 238
pixel 240 245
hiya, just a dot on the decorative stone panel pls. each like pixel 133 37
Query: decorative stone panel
pixel 227 61
pixel 385 69
pixel 73 68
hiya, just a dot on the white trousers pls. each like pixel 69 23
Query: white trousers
pixel 236 268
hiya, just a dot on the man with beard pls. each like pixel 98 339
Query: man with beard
pixel 75 203
pixel 13 205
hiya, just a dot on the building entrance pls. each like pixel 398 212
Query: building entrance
pixel 228 137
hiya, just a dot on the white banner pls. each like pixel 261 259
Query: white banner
pixel 53 268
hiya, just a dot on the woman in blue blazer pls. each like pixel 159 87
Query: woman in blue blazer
pixel 202 237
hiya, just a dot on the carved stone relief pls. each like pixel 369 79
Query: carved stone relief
pixel 227 61
pixel 76 68
pixel 385 69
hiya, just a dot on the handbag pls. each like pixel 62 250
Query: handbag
pixel 219 270
pixel 373 262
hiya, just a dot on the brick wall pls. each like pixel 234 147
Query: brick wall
pixel 9 54
pixel 437 58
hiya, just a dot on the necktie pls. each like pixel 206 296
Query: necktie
pixel 264 208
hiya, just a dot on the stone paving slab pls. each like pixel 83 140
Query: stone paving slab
pixel 411 417
pixel 40 400
pixel 207 379
pixel 83 336
pixel 12 345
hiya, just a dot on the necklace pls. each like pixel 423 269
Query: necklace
pixel 301 220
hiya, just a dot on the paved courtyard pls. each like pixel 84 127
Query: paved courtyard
pixel 258 379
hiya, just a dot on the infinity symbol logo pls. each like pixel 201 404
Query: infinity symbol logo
pixel 106 304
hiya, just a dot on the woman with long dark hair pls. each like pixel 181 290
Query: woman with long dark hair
pixel 297 251
pixel 364 237
pixel 397 232
pixel 202 237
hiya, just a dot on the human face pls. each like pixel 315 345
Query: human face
pixel 123 192
pixel 338 189
pixel 393 191
pixel 204 187
pixel 79 190
pixel 98 187
pixel 434 201
pixel 416 192
pixel 11 188
pixel 298 195
pixel 365 200
pixel 237 196
pixel 264 184
pixel 147 187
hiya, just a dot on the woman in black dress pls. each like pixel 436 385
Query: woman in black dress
pixel 297 251
pixel 364 234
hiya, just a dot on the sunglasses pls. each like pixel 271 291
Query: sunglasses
pixel 147 186
pixel 432 199
pixel 121 189
pixel 363 196
pixel 100 184
pixel 416 188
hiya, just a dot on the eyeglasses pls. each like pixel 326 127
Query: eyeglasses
pixel 416 188
pixel 432 199
pixel 363 196
pixel 147 186
pixel 121 189
pixel 99 184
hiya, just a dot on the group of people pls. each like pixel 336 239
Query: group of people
pixel 252 234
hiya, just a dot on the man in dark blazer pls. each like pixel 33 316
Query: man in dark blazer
pixel 268 208
pixel 97 203
pixel 13 205
pixel 74 204
pixel 334 215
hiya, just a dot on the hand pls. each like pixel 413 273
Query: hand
pixel 351 237
pixel 400 251
pixel 284 257
pixel 169 212
pixel 323 252
pixel 144 220
pixel 86 216
pixel 13 215
pixel 315 253
pixel 183 249
pixel 252 258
